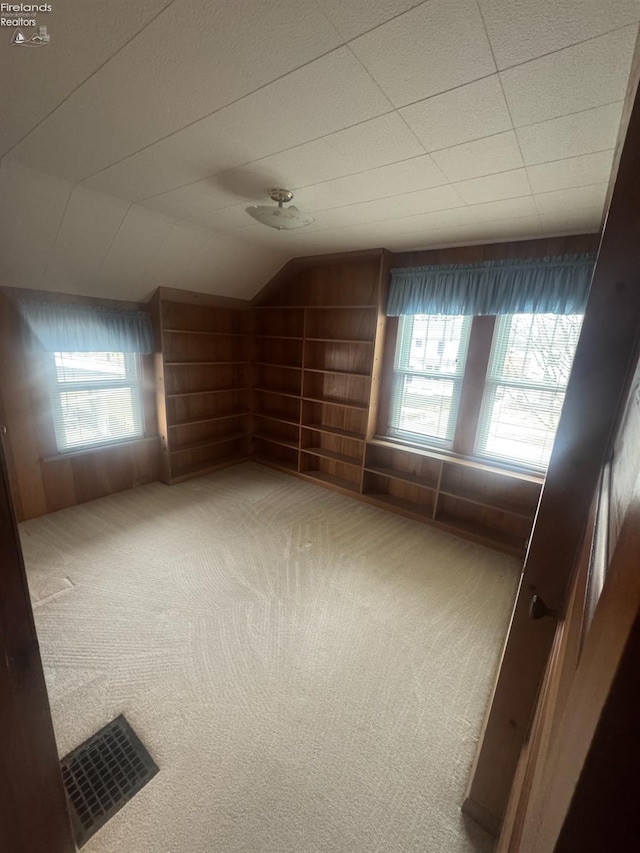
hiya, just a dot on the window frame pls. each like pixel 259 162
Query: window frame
pixel 134 381
pixel 457 379
pixel 474 381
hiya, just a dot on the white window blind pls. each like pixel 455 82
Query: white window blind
pixel 429 364
pixel 96 398
pixel 528 372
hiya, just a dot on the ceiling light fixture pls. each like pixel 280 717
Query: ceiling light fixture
pixel 282 218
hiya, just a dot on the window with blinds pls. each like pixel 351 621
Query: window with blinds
pixel 528 372
pixel 96 398
pixel 428 370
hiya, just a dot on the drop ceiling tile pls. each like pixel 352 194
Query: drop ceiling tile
pixel 225 267
pixel 426 222
pixel 226 219
pixel 359 16
pixel 175 73
pixel 494 232
pixel 494 187
pixel 84 36
pixel 460 115
pixel 314 100
pixel 509 208
pixel 194 200
pixel 435 47
pixel 425 201
pixel 169 265
pixel 493 154
pixel 356 214
pixel 582 221
pixel 570 136
pixel 588 75
pixel 91 222
pixel 522 31
pixel 571 199
pixel 138 239
pixel 32 206
pixel 382 140
pixel 572 172
pixel 395 179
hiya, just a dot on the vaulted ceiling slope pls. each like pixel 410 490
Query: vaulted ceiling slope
pixel 134 140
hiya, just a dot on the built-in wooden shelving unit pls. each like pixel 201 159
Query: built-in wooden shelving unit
pixel 294 384
pixel 318 350
pixel 203 376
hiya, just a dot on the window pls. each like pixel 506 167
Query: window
pixel 428 370
pixel 528 372
pixel 96 398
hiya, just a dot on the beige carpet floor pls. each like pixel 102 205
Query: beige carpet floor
pixel 310 673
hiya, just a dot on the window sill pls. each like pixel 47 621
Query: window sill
pixel 97 448
pixel 476 462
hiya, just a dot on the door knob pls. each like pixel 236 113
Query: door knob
pixel 538 609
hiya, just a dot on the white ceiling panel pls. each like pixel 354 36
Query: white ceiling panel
pixel 571 199
pixel 32 205
pixel 89 227
pixel 522 31
pixel 387 118
pixel 307 104
pixel 582 221
pixel 508 208
pixel 574 172
pixel 430 49
pixel 355 17
pixel 460 115
pixel 495 187
pixel 499 153
pixel 194 59
pixel 395 179
pixel 588 75
pixel 425 201
pixel 139 237
pixel 561 138
pixel 83 37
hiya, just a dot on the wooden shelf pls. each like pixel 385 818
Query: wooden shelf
pixel 333 402
pixel 199 471
pixel 281 337
pixel 406 507
pixel 479 500
pixel 341 341
pixel 235 414
pixel 273 391
pixel 273 364
pixel 481 533
pixel 196 363
pixel 215 334
pixel 344 433
pixel 276 418
pixel 207 391
pixel 405 477
pixel 331 480
pixel 331 454
pixel 280 464
pixel 338 372
pixel 219 439
pixel 276 439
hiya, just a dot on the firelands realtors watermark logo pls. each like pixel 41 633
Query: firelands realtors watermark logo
pixel 24 28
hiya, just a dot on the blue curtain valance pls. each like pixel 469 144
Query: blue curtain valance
pixel 553 285
pixel 83 328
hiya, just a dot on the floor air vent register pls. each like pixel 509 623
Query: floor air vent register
pixel 102 774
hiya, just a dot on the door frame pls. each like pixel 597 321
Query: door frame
pixel 594 397
pixel 33 806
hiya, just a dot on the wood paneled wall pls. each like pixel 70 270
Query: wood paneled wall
pixel 42 480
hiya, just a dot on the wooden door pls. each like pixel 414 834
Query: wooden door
pixel 576 784
pixel 595 395
pixel 33 811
